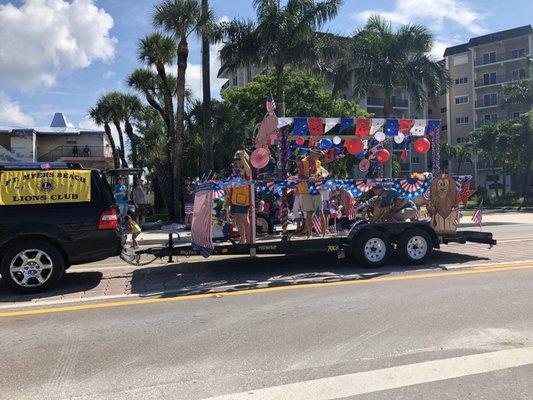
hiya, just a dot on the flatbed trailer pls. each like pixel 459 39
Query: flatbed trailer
pixel 370 244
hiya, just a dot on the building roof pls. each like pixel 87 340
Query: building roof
pixel 489 38
pixel 60 121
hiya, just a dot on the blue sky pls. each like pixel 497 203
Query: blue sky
pixel 60 56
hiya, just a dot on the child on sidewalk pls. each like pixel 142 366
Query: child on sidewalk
pixel 134 229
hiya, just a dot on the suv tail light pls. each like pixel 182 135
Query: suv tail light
pixel 108 219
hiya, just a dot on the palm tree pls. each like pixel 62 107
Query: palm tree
pixel 101 115
pixel 131 108
pixel 207 123
pixel 116 110
pixel 393 60
pixel 180 18
pixel 281 36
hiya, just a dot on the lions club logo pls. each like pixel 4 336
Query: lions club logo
pixel 46 186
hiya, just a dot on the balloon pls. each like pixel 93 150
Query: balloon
pixel 337 140
pixel 399 138
pixel 383 156
pixel 354 146
pixel 422 145
pixel 326 144
pixel 300 141
pixel 260 158
pixel 379 136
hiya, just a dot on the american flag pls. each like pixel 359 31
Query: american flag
pixel 270 104
pixel 417 214
pixel 317 223
pixel 201 223
pixel 349 206
pixel 477 218
pixel 458 216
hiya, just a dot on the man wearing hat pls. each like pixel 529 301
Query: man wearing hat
pixel 310 168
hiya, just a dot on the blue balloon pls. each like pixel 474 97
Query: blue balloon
pixel 326 144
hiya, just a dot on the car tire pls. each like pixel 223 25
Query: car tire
pixel 32 266
pixel 372 248
pixel 415 246
pixel 264 224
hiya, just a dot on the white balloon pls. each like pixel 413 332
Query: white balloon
pixel 337 140
pixel 399 138
pixel 379 136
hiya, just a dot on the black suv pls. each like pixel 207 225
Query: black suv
pixel 38 242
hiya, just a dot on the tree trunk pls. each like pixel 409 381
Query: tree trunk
pixel 207 128
pixel 504 190
pixel 388 111
pixel 131 136
pixel 182 53
pixel 280 86
pixel 116 159
pixel 494 181
pixel 122 151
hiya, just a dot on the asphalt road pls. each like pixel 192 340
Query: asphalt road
pixel 463 335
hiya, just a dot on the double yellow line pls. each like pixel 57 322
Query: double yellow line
pixel 482 269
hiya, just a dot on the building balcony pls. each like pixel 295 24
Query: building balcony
pixel 481 103
pixel 482 122
pixel 80 152
pixel 224 86
pixel 380 102
pixel 499 79
pixel 499 57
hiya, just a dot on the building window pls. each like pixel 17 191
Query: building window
pixel 235 80
pixel 490 117
pixel 461 120
pixel 461 81
pixel 443 110
pixel 71 141
pixel 461 140
pixel 489 57
pixel 516 114
pixel 489 79
pixel 517 53
pixel 444 128
pixel 430 111
pixel 493 178
pixel 461 99
pixel 518 73
pixel 416 160
pixel 490 99
pixel 460 60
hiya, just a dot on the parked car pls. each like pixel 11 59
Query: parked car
pixel 43 237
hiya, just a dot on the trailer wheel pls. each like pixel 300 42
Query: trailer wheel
pixel 372 248
pixel 263 224
pixel 415 246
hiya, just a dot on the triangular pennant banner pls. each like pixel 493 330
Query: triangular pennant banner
pixel 419 127
pixel 300 126
pixel 362 126
pixel 330 123
pixel 345 124
pixel 391 127
pixel 376 125
pixel 284 121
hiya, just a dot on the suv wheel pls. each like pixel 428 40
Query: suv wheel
pixel 32 266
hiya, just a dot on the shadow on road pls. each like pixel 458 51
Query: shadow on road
pixel 249 273
pixel 73 282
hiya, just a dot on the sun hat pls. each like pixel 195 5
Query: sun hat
pixel 260 158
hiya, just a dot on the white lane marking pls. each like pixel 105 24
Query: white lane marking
pixel 389 378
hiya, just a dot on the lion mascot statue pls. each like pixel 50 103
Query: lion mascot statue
pixel 442 201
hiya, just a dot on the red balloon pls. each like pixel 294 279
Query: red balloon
pixel 300 141
pixel 354 146
pixel 422 145
pixel 382 156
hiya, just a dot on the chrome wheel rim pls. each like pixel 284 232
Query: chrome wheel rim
pixel 375 249
pixel 417 247
pixel 31 267
pixel 261 225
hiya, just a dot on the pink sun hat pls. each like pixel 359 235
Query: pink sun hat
pixel 260 158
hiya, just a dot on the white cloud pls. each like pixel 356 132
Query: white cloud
pixel 11 114
pixel 435 14
pixel 43 38
pixel 194 75
pixel 439 46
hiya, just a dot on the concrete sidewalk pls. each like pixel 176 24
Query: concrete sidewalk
pixel 490 218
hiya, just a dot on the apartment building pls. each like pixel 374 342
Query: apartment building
pixel 479 69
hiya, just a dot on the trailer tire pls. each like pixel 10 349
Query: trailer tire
pixel 415 246
pixel 264 224
pixel 372 248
